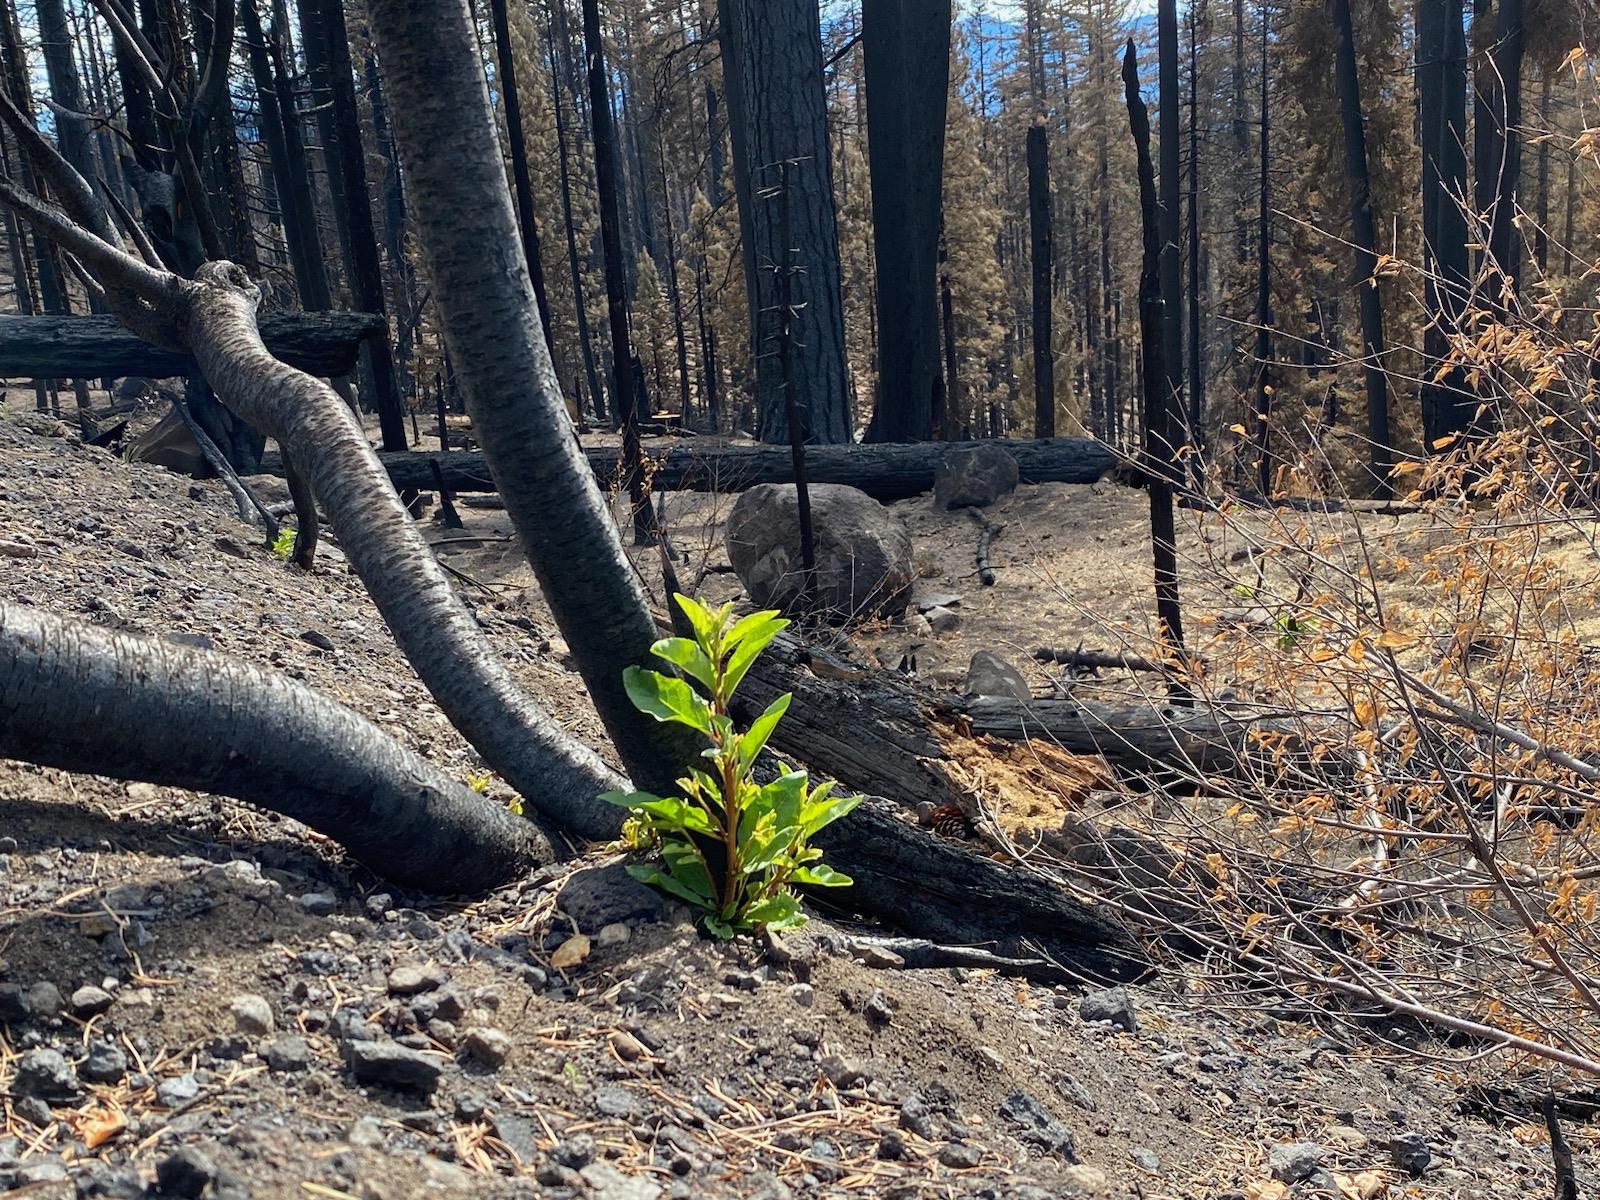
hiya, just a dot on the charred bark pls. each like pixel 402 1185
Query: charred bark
pixel 1043 252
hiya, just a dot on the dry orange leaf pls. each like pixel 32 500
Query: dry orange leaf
pixel 1265 1189
pixel 98 1126
pixel 571 952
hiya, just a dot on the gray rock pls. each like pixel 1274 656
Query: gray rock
pixel 389 1065
pixel 252 1015
pixel 1147 1160
pixel 990 675
pixel 575 1152
pixel 877 1009
pixel 601 896
pixel 842 1072
pixel 43 1001
pixel 287 1055
pixel 90 1001
pixel 974 476
pixel 863 551
pixel 187 1172
pixel 45 1074
pixel 318 904
pixel 1409 1151
pixel 612 1100
pixel 608 1183
pixel 106 1062
pixel 1038 1127
pixel 177 1091
pixel 961 1155
pixel 1113 1004
pixel 487 1047
pixel 366 1132
pixel 943 620
pixel 1074 1092
pixel 1295 1162
pixel 412 981
pixel 615 934
pixel 315 637
pixel 34 1111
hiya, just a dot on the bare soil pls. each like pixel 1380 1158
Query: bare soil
pixel 659 1063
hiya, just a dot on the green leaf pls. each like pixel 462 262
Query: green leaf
pixel 718 927
pixel 793 921
pixel 625 799
pixel 821 876
pixel 702 618
pixel 781 799
pixel 772 910
pixel 751 741
pixel 749 626
pixel 686 865
pixel 655 877
pixel 687 656
pixel 752 644
pixel 818 813
pixel 675 812
pixel 667 699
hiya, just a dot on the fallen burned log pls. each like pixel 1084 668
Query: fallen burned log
pixel 882 734
pixel 885 472
pixel 322 344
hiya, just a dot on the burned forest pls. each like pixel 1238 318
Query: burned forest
pixel 799 599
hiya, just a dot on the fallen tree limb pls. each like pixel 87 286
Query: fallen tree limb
pixel 320 344
pixel 886 472
pixel 1078 659
pixel 86 699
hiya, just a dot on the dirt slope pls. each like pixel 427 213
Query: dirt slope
pixel 190 987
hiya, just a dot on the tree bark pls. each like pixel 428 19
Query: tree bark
pixel 777 112
pixel 886 471
pixel 467 231
pixel 1168 201
pixel 1363 234
pixel 1263 355
pixel 366 279
pixel 1043 254
pixel 315 293
pixel 320 344
pixel 1161 473
pixel 85 699
pixel 1441 53
pixel 1505 245
pixel 906 52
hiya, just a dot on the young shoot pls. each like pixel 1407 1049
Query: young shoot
pixel 731 847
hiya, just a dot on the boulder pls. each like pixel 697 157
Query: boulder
pixel 974 476
pixel 863 552
pixel 990 675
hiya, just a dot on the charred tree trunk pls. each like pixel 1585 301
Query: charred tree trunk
pixel 1363 233
pixel 527 224
pixel 315 294
pixel 1042 241
pixel 906 51
pixel 1195 433
pixel 85 699
pixel 1505 246
pixel 1169 210
pixel 1447 407
pixel 777 112
pixel 1161 473
pixel 1264 285
pixel 366 279
pixel 624 385
pixel 1541 235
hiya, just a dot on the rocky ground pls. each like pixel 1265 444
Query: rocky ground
pixel 197 999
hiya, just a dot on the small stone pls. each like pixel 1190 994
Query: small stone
pixel 802 994
pixel 389 1065
pixel 961 1155
pixel 880 958
pixel 487 1047
pixel 13 1004
pixel 43 1001
pixel 34 1111
pixel 318 904
pixel 990 675
pixel 599 896
pixel 877 1008
pixel 943 620
pixel 614 934
pixel 1038 1127
pixel 891 1146
pixel 628 1048
pixel 1409 1151
pixel 992 1056
pixel 1113 1004
pixel 106 1062
pixel 412 981
pixel 366 1132
pixel 45 1074
pixel 252 1015
pixel 287 1055
pixel 1147 1160
pixel 177 1091
pixel 608 1183
pixel 841 1072
pixel 1345 1137
pixel 1073 1091
pixel 1087 1180
pixel 614 1101
pixel 575 1152
pixel 314 637
pixel 1295 1162
pixel 379 903
pixel 187 1172
pixel 471 1106
pixel 90 1001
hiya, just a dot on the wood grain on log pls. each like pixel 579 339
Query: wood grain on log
pixel 321 344
pixel 885 472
